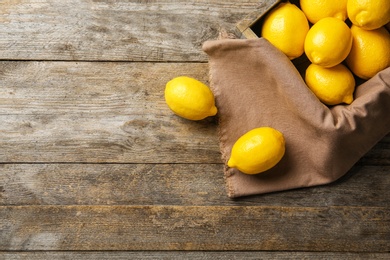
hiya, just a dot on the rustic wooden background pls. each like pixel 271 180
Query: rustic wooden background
pixel 93 165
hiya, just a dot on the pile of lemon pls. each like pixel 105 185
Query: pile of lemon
pixel 319 28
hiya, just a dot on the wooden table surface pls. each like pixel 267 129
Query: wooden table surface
pixel 93 164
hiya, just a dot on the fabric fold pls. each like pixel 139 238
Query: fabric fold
pixel 256 85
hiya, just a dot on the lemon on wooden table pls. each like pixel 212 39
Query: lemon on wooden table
pixel 370 51
pixel 328 42
pixel 333 85
pixel 258 150
pixel 190 98
pixel 286 27
pixel 315 10
pixel 367 14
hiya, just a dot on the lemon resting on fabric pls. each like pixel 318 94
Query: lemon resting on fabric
pixel 190 98
pixel 257 151
pixel 315 10
pixel 332 86
pixel 328 42
pixel 367 14
pixel 370 51
pixel 285 27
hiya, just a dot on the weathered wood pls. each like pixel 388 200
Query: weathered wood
pixel 105 112
pixel 191 255
pixel 107 138
pixel 245 25
pixel 91 158
pixel 98 112
pixel 353 229
pixel 121 88
pixel 111 184
pixel 115 30
pixel 173 184
pixel 379 154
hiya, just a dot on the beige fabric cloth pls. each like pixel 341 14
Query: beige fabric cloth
pixel 256 85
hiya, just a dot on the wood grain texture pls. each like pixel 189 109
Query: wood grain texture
pixel 105 112
pixel 94 164
pixel 245 25
pixel 173 184
pixel 115 30
pixel 191 255
pixel 380 154
pixel 98 112
pixel 354 229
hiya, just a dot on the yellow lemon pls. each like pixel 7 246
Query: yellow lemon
pixel 328 42
pixel 258 150
pixel 370 51
pixel 333 85
pixel 190 98
pixel 315 10
pixel 369 15
pixel 286 27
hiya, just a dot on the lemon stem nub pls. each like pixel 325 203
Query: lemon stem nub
pixel 348 99
pixel 361 19
pixel 213 111
pixel 231 163
pixel 316 58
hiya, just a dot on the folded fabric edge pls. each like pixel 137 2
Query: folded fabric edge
pixel 228 184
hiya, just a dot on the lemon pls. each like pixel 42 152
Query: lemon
pixel 286 27
pixel 370 51
pixel 333 85
pixel 328 42
pixel 258 150
pixel 190 98
pixel 315 10
pixel 369 15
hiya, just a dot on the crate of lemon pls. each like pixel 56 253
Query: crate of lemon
pixel 331 42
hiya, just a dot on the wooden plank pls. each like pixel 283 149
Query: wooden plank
pixel 105 112
pixel 244 25
pixel 379 154
pixel 98 112
pixel 115 30
pixel 101 138
pixel 94 137
pixel 112 184
pixel 192 255
pixel 334 229
pixel 173 184
pixel 34 88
